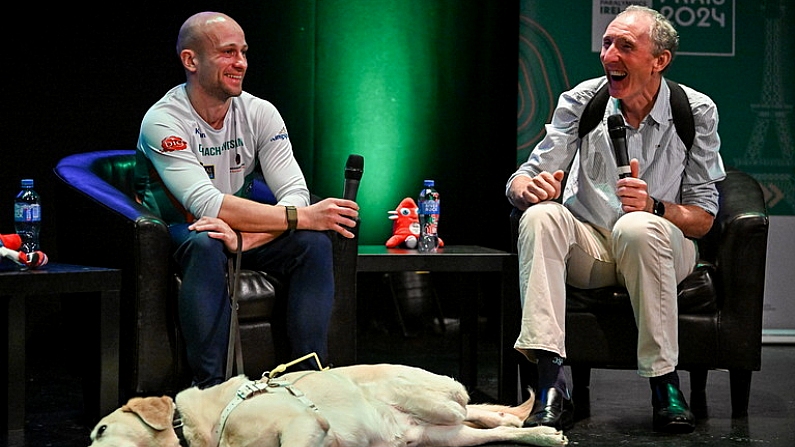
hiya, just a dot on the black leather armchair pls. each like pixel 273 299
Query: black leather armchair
pixel 95 203
pixel 720 310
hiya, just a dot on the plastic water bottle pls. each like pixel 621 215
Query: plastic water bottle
pixel 428 213
pixel 27 216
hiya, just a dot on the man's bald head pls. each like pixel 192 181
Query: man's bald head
pixel 193 33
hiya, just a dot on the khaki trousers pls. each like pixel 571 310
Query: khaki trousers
pixel 645 253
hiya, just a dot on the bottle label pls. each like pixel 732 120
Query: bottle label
pixel 430 228
pixel 429 207
pixel 27 213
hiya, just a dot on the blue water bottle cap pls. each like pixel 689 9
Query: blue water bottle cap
pixel 27 183
pixel 428 183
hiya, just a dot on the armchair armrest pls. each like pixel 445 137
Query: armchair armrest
pixel 81 172
pixel 92 211
pixel 99 225
pixel 742 225
pixel 342 332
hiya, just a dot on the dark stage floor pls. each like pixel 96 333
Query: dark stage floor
pixel 621 411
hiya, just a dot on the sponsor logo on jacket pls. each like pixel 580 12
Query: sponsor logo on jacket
pixel 173 143
pixel 209 151
pixel 282 135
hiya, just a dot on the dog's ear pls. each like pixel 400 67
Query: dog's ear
pixel 156 412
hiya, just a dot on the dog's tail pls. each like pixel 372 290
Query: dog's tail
pixel 522 411
pixel 476 413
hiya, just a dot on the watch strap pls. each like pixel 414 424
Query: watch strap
pixel 292 217
pixel 658 208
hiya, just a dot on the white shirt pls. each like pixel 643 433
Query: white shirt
pixel 673 173
pixel 184 166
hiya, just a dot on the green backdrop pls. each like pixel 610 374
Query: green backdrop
pixel 420 88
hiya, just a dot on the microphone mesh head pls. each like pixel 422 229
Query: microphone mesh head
pixel 354 167
pixel 615 126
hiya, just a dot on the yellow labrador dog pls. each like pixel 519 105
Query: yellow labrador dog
pixel 355 406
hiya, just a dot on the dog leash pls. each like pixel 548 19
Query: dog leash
pixel 268 384
pixel 234 350
pixel 178 426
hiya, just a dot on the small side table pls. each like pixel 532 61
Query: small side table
pixel 453 258
pixel 22 286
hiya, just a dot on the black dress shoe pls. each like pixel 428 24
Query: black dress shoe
pixel 671 413
pixel 551 409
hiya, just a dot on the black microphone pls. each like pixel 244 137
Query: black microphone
pixel 618 136
pixel 353 173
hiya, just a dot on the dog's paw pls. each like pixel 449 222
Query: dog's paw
pixel 545 436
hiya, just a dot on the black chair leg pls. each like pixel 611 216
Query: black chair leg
pixel 581 393
pixel 740 386
pixel 698 392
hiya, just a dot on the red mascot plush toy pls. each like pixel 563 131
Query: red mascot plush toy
pixel 406 225
pixel 9 246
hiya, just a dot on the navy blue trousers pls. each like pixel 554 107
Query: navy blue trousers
pixel 303 259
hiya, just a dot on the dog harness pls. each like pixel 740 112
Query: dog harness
pixel 257 387
pixel 268 384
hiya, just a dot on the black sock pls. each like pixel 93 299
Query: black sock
pixel 672 378
pixel 551 373
pixel 665 379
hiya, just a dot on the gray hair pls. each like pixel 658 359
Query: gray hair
pixel 662 32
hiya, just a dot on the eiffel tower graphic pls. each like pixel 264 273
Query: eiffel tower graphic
pixel 772 115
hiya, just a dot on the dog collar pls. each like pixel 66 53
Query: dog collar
pixel 254 388
pixel 178 425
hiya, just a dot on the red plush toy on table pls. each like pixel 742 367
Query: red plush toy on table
pixel 406 225
pixel 9 249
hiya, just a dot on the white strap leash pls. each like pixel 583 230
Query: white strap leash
pixel 269 384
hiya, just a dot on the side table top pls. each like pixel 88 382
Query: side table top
pixel 452 258
pixel 450 250
pixel 57 278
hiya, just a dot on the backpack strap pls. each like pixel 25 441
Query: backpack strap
pixel 684 123
pixel 594 112
pixel 682 114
